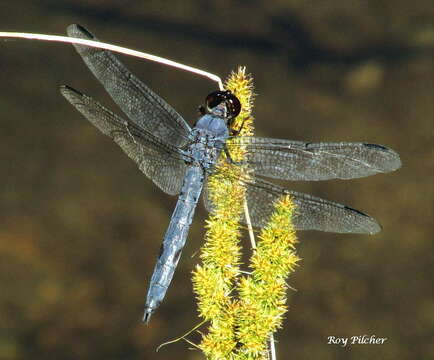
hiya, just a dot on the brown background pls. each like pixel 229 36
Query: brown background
pixel 80 226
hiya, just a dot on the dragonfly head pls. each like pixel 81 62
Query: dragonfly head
pixel 222 103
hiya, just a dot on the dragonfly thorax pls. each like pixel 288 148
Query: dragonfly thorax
pixel 215 125
pixel 207 140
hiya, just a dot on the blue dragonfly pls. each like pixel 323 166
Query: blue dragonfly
pixel 179 159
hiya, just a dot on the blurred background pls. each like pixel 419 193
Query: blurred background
pixel 80 226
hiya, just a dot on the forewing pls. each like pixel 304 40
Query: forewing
pixel 295 160
pixel 311 213
pixel 141 105
pixel 160 162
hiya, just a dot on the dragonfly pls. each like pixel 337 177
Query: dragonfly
pixel 179 159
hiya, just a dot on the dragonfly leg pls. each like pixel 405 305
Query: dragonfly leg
pixel 228 156
pixel 237 132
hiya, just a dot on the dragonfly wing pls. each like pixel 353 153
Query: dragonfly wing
pixel 296 160
pixel 312 213
pixel 160 162
pixel 145 108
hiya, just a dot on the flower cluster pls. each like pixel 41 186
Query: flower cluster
pixel 242 311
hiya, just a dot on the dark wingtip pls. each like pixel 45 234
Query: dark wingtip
pixel 75 30
pixel 66 90
pixel 394 161
pixel 376 146
pixel 367 225
pixel 374 226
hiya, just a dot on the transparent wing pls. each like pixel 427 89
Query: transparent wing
pixel 145 108
pixel 160 162
pixel 312 213
pixel 296 160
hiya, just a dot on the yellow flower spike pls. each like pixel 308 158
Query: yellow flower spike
pixel 240 328
pixel 214 280
pixel 262 296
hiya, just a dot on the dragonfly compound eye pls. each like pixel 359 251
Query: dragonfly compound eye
pixel 232 103
pixel 233 106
